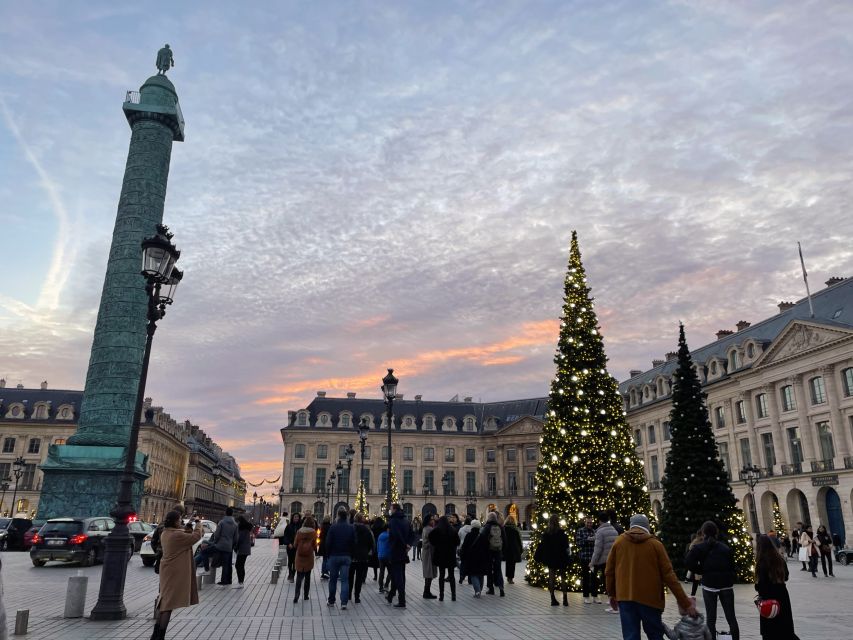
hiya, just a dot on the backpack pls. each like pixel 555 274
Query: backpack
pixel 495 539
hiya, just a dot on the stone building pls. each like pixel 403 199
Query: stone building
pixel 463 457
pixel 213 477
pixel 164 440
pixel 780 397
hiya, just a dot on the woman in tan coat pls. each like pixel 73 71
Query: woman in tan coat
pixel 304 545
pixel 177 570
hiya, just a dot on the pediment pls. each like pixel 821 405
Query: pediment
pixel 800 337
pixel 524 425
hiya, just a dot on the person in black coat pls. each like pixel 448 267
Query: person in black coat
pixel 321 550
pixel 400 538
pixel 288 539
pixel 475 556
pixel 376 528
pixel 553 552
pixel 715 561
pixel 771 574
pixel 512 549
pixel 365 546
pixel 444 540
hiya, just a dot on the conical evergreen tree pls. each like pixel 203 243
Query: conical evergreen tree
pixel 588 461
pixel 695 485
pixel 361 498
pixel 395 493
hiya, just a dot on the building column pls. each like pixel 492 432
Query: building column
pixel 807 434
pixel 840 433
pixel 778 435
pixel 751 432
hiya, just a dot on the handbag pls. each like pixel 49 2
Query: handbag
pixel 767 608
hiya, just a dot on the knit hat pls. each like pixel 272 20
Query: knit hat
pixel 639 520
pixel 475 524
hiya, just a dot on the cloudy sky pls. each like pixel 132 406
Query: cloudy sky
pixel 372 184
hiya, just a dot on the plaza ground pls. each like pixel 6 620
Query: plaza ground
pixel 822 608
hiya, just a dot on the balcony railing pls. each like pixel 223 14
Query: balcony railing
pixel 449 492
pixel 134 97
pixel 848 462
pixel 792 469
pixel 299 489
pixel 819 466
pixel 654 485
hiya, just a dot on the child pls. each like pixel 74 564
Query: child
pixel 689 628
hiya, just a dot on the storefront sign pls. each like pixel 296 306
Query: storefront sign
pixel 824 481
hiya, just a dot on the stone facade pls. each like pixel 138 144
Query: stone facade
pixel 213 478
pixel 780 397
pixel 165 442
pixel 489 452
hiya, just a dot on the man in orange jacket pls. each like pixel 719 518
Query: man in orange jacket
pixel 637 570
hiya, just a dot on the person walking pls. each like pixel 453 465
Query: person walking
pixel 303 556
pixel 695 577
pixel 475 557
pixel 225 541
pixel 427 562
pixel 244 548
pixel 584 547
pixel 400 538
pixel 340 542
pixel 553 552
pixel 716 562
pixel 289 538
pixel 809 549
pixel 605 536
pixel 824 544
pixel 364 548
pixel 637 571
pixel 497 543
pixel 795 544
pixel 324 530
pixel 513 548
pixel 178 587
pixel 771 574
pixel 377 526
pixel 463 532
pixel 444 540
pixel 383 553
pixel 417 529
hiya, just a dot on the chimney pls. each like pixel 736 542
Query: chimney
pixel 43 385
pixel 399 396
pixel 418 398
pixel 321 394
pixel 20 386
pixel 722 333
pixel 657 363
pixel 291 416
pixel 350 394
pixel 784 306
pixel 634 373
pixel 468 399
pixel 743 324
pixel 834 280
pixel 671 355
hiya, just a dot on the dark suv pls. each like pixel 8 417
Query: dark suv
pixel 71 540
pixel 12 532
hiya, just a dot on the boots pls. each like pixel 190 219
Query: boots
pixel 427 593
pixel 565 599
pixel 452 589
pixel 440 590
pixel 554 602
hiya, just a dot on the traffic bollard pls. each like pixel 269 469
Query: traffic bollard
pixel 22 621
pixel 274 577
pixel 75 596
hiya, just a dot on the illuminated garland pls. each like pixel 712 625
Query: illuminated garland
pixel 395 494
pixel 262 482
pixel 361 499
pixel 588 461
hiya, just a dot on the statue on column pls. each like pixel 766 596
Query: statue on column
pixel 165 61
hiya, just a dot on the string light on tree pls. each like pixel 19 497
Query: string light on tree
pixel 588 458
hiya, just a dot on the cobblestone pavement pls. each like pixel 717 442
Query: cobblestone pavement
pixel 821 608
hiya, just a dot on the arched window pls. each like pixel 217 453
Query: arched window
pixel 302 419
pixel 449 424
pixel 346 420
pixel 734 361
pixel 429 423
pixel 469 424
pixel 295 507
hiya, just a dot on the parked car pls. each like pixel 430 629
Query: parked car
pixel 149 556
pixel 263 532
pixel 12 532
pixel 844 556
pixel 72 540
pixel 33 530
pixel 139 530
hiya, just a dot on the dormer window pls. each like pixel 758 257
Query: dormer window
pixel 302 419
pixel 65 413
pixel 41 411
pixel 469 424
pixel 345 420
pixel 713 369
pixel 750 351
pixel 448 424
pixel 633 397
pixel 324 419
pixel 429 423
pixel 734 361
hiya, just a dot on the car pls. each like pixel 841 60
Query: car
pixel 139 530
pixel 12 532
pixel 844 555
pixel 525 544
pixel 263 532
pixel 149 556
pixel 72 540
pixel 33 530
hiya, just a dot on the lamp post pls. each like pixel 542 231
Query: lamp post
pixel 280 501
pixel 389 390
pixel 363 428
pixel 5 487
pixel 17 470
pixel 752 474
pixel 445 484
pixel 254 510
pixel 215 472
pixel 329 484
pixel 349 452
pixel 161 279
pixel 339 471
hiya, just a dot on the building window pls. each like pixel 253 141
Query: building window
pixel 320 479
pixel 367 452
pixel 429 480
pixel 450 454
pixel 299 452
pixel 384 453
pixel 322 451
pixel 451 482
pixel 324 419
pixel 847 378
pixel 788 402
pixel 469 424
pixel 530 454
pixel 734 361
pixel 429 423
pixel 795 445
pixel 470 455
pixel 365 477
pixel 408 453
pixel 638 437
pixel 745 452
pixel 512 482
pixel 408 422
pixel 655 470
pixel 511 455
pixel 342 452
pixel 65 413
pixel 490 455
pixel 827 448
pixel 652 434
pixel 298 479
pixel 491 484
pixel 448 424
pixel 720 417
pixel 723 448
pixel 9 445
pixel 471 482
pixel 345 420
pixel 384 481
pixel 302 420
pixel 34 445
pixel 408 481
pixel 714 368
pixel 531 482
pixel 429 454
pixel 59 441
pixel 740 412
pixel 667 431
pixel 769 452
pixel 750 351
pixel 818 392
pixel 761 405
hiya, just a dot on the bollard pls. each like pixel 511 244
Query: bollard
pixel 210 578
pixel 274 577
pixel 199 582
pixel 22 621
pixel 75 596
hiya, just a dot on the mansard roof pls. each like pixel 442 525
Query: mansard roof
pixel 31 397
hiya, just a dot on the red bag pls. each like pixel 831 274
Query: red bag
pixel 768 608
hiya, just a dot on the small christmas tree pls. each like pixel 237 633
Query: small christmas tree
pixel 778 522
pixel 695 485
pixel 395 494
pixel 588 460
pixel 361 499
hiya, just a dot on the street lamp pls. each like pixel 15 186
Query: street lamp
pixel 5 487
pixel 329 484
pixel 254 510
pixel 280 500
pixel 389 390
pixel 215 472
pixel 349 452
pixel 159 256
pixel 363 428
pixel 445 484
pixel 339 471
pixel 17 470
pixel 751 474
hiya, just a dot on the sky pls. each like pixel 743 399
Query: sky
pixel 367 185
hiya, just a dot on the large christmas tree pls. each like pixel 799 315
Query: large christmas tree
pixel 588 460
pixel 395 493
pixel 361 498
pixel 695 485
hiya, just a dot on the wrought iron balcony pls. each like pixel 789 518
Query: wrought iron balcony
pixel 819 466
pixel 654 485
pixel 792 469
pixel 299 489
pixel 848 462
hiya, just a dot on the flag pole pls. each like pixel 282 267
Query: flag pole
pixel 806 280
